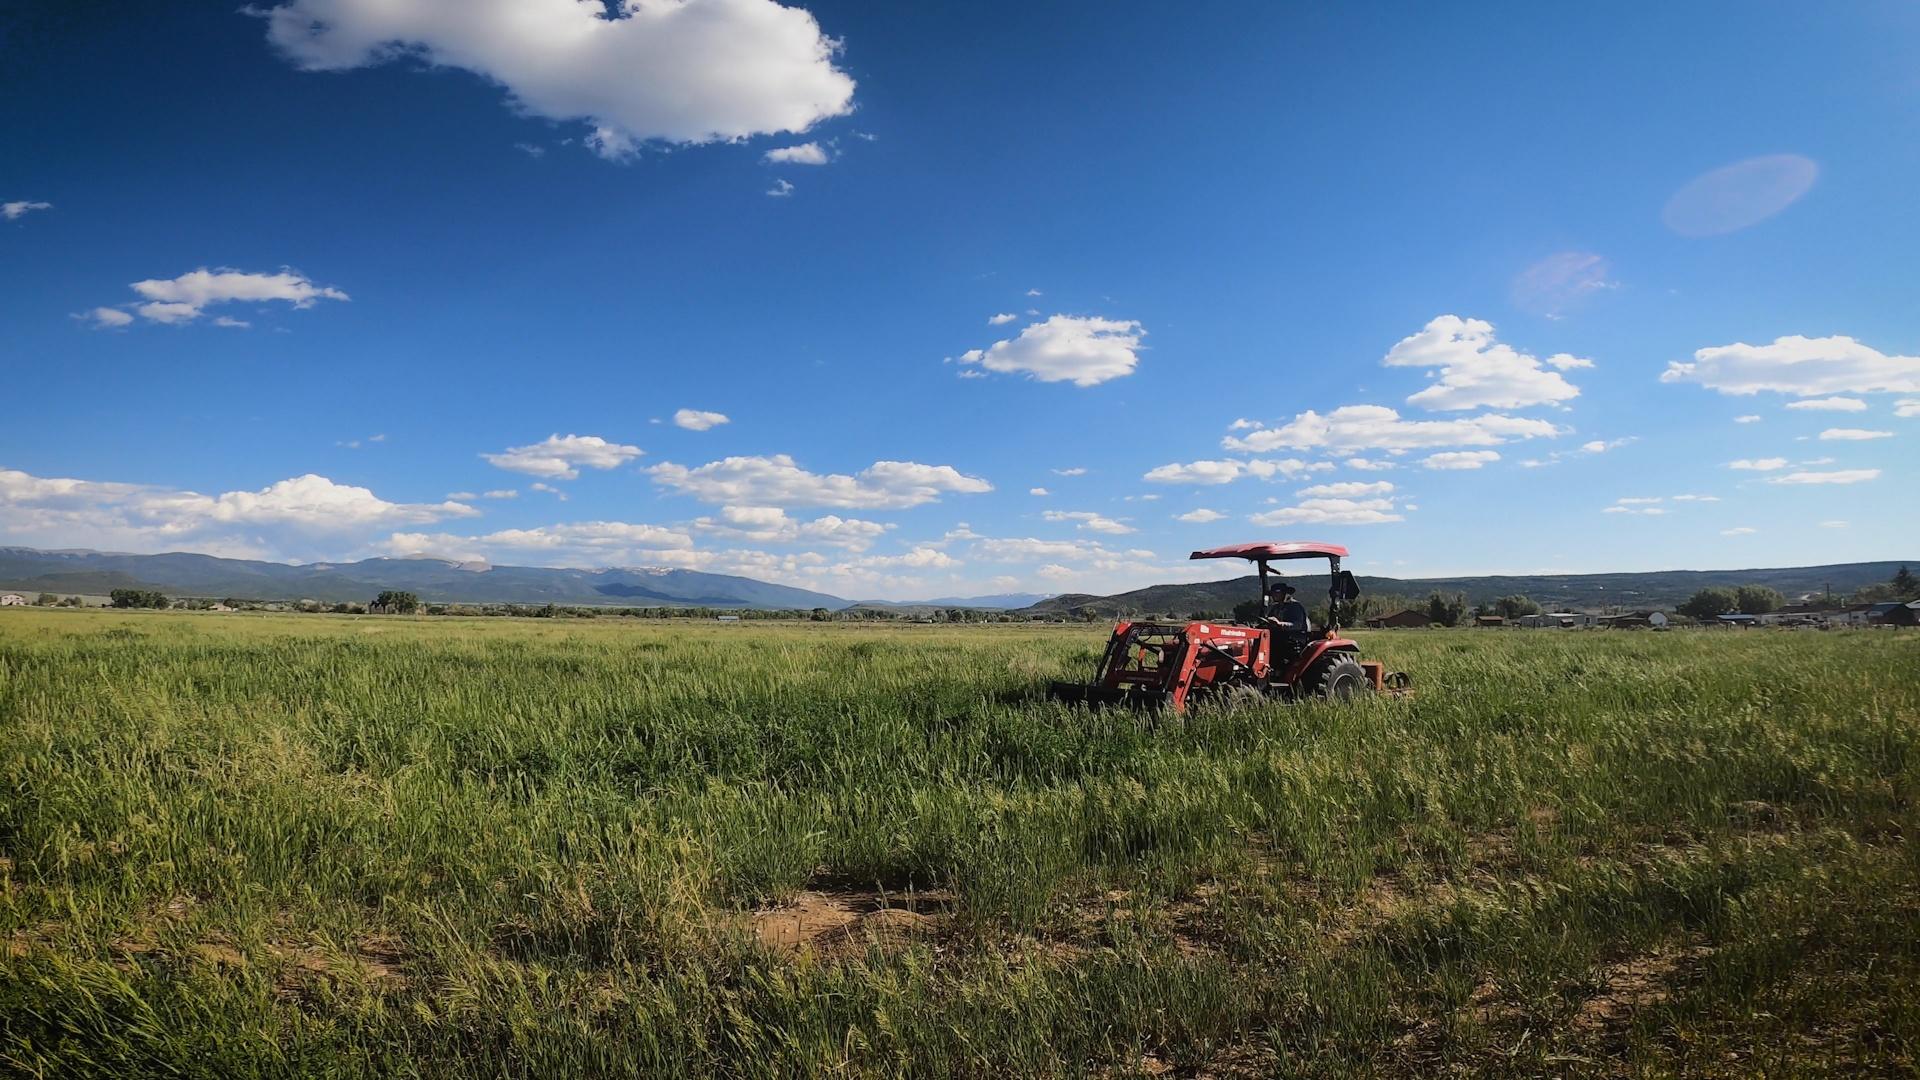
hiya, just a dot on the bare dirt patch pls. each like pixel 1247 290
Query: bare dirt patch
pixel 843 923
pixel 1636 982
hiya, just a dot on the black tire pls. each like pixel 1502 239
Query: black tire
pixel 1342 679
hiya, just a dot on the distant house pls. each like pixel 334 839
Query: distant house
pixel 1851 615
pixel 726 618
pixel 1557 620
pixel 1795 615
pixel 1489 620
pixel 1736 619
pixel 1891 613
pixel 1635 620
pixel 1406 619
pixel 12 599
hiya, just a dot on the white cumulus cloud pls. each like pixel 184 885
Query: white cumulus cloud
pixel 1478 372
pixel 780 481
pixel 807 153
pixel 1083 350
pixel 698 420
pixel 264 523
pixel 1849 434
pixel 106 318
pixel 672 71
pixel 1830 404
pixel 1836 476
pixel 185 298
pixel 1377 427
pixel 14 211
pixel 1758 464
pixel 1207 473
pixel 1332 512
pixel 1460 459
pixel 562 457
pixel 1200 516
pixel 1092 522
pixel 1349 489
pixel 1801 366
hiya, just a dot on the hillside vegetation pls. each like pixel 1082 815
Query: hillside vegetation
pixel 236 846
pixel 1663 589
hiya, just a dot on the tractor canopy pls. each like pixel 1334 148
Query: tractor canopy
pixel 1293 549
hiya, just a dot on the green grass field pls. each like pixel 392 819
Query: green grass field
pixel 252 845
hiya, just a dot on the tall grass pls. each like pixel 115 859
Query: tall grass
pixel 254 845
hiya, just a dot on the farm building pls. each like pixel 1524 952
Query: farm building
pixel 1489 620
pixel 1907 614
pixel 1407 619
pixel 1736 619
pixel 1795 615
pixel 12 599
pixel 1636 620
pixel 1557 620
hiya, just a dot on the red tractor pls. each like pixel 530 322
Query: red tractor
pixel 1168 665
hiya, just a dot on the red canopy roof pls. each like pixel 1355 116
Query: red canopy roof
pixel 1294 549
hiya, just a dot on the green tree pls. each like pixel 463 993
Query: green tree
pixel 1757 599
pixel 1906 584
pixel 47 599
pixel 1512 607
pixel 1447 609
pixel 397 602
pixel 1710 602
pixel 820 614
pixel 138 598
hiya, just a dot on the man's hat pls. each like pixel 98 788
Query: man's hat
pixel 1281 587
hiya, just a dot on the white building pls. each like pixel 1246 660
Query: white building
pixel 12 599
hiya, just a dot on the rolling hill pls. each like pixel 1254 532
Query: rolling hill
pixel 1654 589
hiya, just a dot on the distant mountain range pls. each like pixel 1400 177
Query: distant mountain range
pixel 433 580
pixel 444 581
pixel 1656 589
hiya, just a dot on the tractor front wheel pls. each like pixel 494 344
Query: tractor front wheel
pixel 1342 679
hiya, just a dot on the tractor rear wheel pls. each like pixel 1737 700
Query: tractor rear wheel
pixel 1342 679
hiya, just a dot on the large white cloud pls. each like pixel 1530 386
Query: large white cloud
pixel 185 298
pixel 1377 427
pixel 563 456
pixel 1830 404
pixel 1348 489
pixel 675 71
pixel 19 208
pixel 590 534
pixel 1801 366
pixel 780 481
pixel 771 525
pixel 1460 459
pixel 1085 351
pixel 1223 472
pixel 1478 372
pixel 270 522
pixel 1332 512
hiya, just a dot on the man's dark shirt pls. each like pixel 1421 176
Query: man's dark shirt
pixel 1293 613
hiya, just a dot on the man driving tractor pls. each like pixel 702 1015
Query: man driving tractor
pixel 1286 615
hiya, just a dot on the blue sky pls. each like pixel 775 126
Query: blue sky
pixel 1468 290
